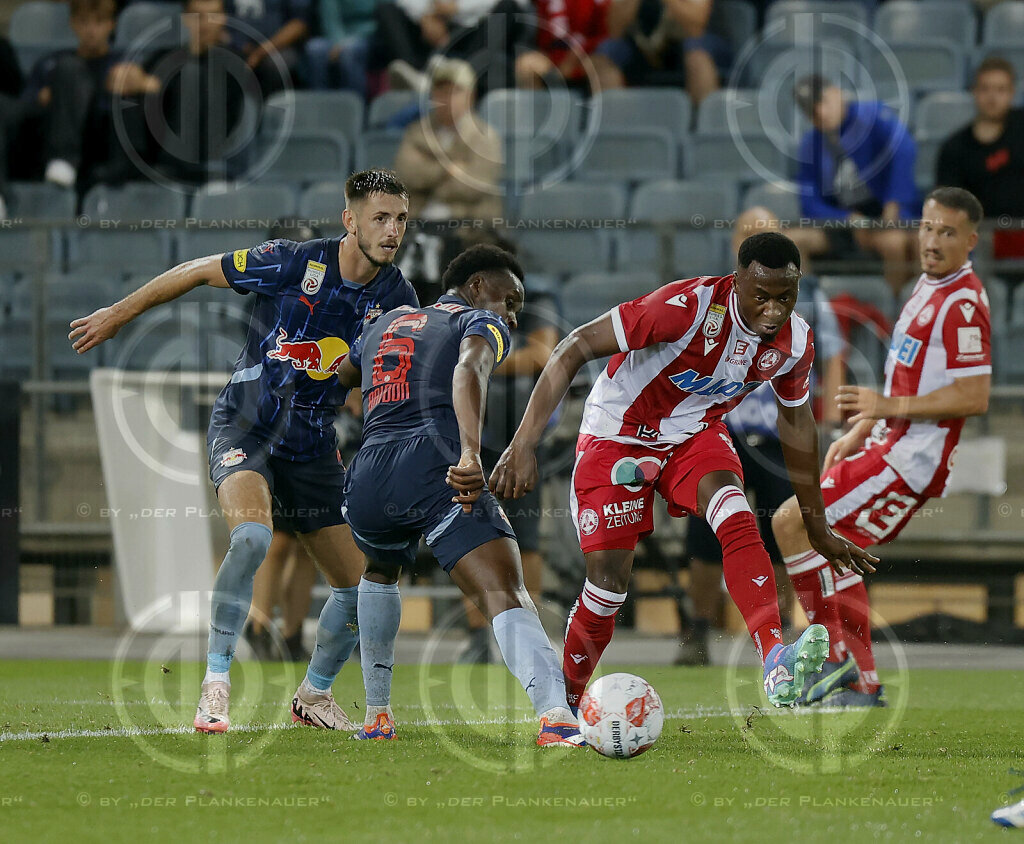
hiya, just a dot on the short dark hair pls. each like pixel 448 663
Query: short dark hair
pixel 366 182
pixel 105 9
pixel 993 63
pixel 959 199
pixel 769 249
pixel 481 258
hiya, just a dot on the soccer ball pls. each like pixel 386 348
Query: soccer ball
pixel 621 715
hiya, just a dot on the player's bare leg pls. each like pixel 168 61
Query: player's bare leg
pixel 491 576
pixel 818 589
pixel 751 583
pixel 337 632
pixel 479 644
pixel 245 500
pixel 266 587
pixel 591 621
pixel 300 576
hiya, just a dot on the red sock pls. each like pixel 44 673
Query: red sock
pixel 813 579
pixel 855 615
pixel 747 568
pixel 587 634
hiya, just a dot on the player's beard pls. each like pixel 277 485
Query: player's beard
pixel 364 247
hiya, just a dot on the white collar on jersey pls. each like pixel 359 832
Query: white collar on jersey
pixel 953 276
pixel 734 311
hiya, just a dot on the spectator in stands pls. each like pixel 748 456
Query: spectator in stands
pixel 273 32
pixel 565 30
pixel 661 41
pixel 857 165
pixel 65 107
pixel 533 341
pixel 754 429
pixel 484 32
pixel 986 156
pixel 449 159
pixel 200 99
pixel 339 57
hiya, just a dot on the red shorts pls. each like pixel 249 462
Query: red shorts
pixel 613 484
pixel 866 501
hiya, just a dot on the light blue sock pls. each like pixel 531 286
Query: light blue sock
pixel 336 636
pixel 232 591
pixel 529 656
pixel 380 612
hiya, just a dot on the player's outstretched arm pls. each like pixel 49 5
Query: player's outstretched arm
pixel 799 437
pixel 90 331
pixel 967 396
pixel 469 397
pixel 516 470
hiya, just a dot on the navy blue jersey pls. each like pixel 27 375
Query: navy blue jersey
pixel 305 318
pixel 407 358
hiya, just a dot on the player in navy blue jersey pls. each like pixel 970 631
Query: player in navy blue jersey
pixel 272 442
pixel 424 374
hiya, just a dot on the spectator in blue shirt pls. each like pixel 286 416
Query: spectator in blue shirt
pixel 338 57
pixel 856 167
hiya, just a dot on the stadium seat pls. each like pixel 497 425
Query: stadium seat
pixel 537 160
pixel 942 112
pixel 315 112
pixel 324 202
pixel 783 199
pixel 728 107
pixel 306 157
pixel 774 65
pixel 42 201
pixel 130 246
pixel 147 28
pixel 557 114
pixel 866 347
pixel 752 158
pixel 698 250
pixel 164 338
pixel 925 67
pixel 633 108
pixel 17 348
pixel 234 218
pixel 32 201
pixel 377 148
pixel 387 105
pixel 735 21
pixel 630 155
pixel 900 22
pixel 587 296
pixel 807 22
pixel 1003 24
pixel 927 159
pixel 39 28
pixel 550 235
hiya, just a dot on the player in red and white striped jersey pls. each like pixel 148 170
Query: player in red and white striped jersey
pixel 682 357
pixel 901 447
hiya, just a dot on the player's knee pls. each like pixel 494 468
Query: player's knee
pixel 786 521
pixel 250 542
pixel 378 572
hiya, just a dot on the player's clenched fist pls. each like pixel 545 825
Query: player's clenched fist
pixel 467 479
pixel 92 330
pixel 515 473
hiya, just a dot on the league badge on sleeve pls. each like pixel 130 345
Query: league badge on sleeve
pixel 713 326
pixel 314 277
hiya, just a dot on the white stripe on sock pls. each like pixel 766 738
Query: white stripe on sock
pixel 805 561
pixel 728 501
pixel 600 601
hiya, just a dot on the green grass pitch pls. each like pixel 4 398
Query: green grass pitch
pixel 102 751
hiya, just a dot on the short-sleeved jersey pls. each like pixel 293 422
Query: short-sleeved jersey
pixel 305 318
pixel 407 359
pixel 686 359
pixel 943 333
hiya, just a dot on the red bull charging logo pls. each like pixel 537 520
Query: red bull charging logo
pixel 319 359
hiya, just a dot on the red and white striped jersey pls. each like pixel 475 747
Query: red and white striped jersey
pixel 944 332
pixel 686 359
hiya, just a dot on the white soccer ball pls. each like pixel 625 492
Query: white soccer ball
pixel 621 715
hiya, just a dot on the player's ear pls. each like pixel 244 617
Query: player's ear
pixel 349 221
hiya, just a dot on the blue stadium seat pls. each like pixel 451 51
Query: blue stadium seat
pixel 783 199
pixel 39 28
pixel 17 348
pixel 1004 24
pixel 700 250
pixel 324 202
pixel 306 157
pixel 537 160
pixel 387 105
pixel 943 112
pixel 551 238
pixel 76 293
pixel 632 108
pixel 927 159
pixel 557 114
pixel 36 201
pixel 774 66
pixel 166 338
pixel 630 155
pixel 925 67
pixel 42 201
pixel 589 295
pixel 315 112
pixel 735 21
pixel 146 28
pixel 752 158
pixel 925 21
pixel 255 208
pixel 377 148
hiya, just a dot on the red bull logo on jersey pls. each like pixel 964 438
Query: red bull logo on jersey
pixel 319 359
pixel 707 385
